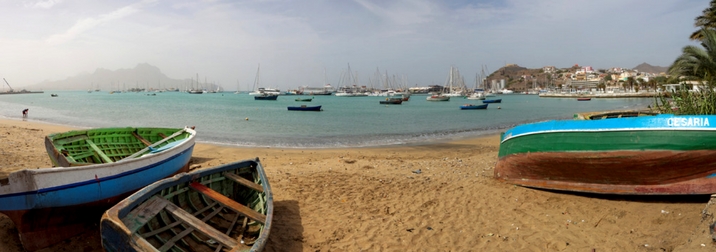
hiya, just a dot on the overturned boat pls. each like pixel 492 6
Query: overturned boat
pixel 636 154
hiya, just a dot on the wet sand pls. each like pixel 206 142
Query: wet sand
pixel 435 197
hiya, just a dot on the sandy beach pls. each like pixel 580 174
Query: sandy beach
pixel 436 197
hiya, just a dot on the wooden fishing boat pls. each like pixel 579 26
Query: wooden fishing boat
pixel 473 106
pixel 223 208
pixel 304 99
pixel 584 99
pixel 304 108
pixel 492 101
pixel 644 155
pixel 394 101
pixel 98 167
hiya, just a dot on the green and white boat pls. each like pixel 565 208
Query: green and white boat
pixel 642 155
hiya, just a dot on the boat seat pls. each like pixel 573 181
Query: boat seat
pixel 226 201
pixel 141 139
pixel 99 151
pixel 243 181
pixel 199 225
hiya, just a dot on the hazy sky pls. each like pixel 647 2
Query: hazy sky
pixel 295 41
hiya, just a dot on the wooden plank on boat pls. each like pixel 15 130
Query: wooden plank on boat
pixel 243 181
pixel 226 201
pixel 99 152
pixel 143 213
pixel 70 139
pixel 141 139
pixel 200 226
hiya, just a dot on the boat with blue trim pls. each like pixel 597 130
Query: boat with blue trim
pixel 223 208
pixel 621 153
pixel 492 101
pixel 305 108
pixel 95 169
pixel 473 106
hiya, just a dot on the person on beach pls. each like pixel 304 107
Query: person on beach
pixel 24 113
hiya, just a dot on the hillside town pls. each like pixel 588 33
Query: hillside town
pixel 578 79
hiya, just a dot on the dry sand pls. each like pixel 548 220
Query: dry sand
pixel 370 199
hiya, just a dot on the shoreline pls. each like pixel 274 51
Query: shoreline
pixel 430 197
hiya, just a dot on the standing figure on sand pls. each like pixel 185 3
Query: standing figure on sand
pixel 24 113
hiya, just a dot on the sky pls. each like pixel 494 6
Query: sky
pixel 312 42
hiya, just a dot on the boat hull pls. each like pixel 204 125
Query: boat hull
pixel 492 101
pixel 469 107
pixel 653 155
pixel 52 204
pixel 125 228
pixel 266 97
pixel 306 108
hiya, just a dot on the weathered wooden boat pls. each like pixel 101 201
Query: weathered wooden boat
pixel 643 155
pixel 584 99
pixel 492 101
pixel 98 167
pixel 304 108
pixel 473 106
pixel 392 100
pixel 304 99
pixel 223 208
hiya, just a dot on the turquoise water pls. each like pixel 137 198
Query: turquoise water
pixel 344 122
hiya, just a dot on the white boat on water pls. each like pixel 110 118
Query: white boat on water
pixel 260 90
pixel 438 97
pixel 477 96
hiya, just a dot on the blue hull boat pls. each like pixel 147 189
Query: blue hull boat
pixel 305 108
pixel 49 205
pixel 492 101
pixel 266 97
pixel 472 106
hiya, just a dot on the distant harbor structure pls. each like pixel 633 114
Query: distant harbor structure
pixel 12 91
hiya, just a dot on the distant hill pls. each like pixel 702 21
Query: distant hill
pixel 646 68
pixel 142 76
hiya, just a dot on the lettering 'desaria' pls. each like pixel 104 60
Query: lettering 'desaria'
pixel 686 122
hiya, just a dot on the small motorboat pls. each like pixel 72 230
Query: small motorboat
pixel 305 108
pixel 473 106
pixel 492 101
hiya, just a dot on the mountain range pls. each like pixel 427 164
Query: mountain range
pixel 646 68
pixel 142 76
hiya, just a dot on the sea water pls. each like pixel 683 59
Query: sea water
pixel 239 120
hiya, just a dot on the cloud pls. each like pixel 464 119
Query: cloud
pixel 45 4
pixel 87 24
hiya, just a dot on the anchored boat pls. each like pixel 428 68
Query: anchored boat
pixel 305 108
pixel 223 208
pixel 98 167
pixel 473 106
